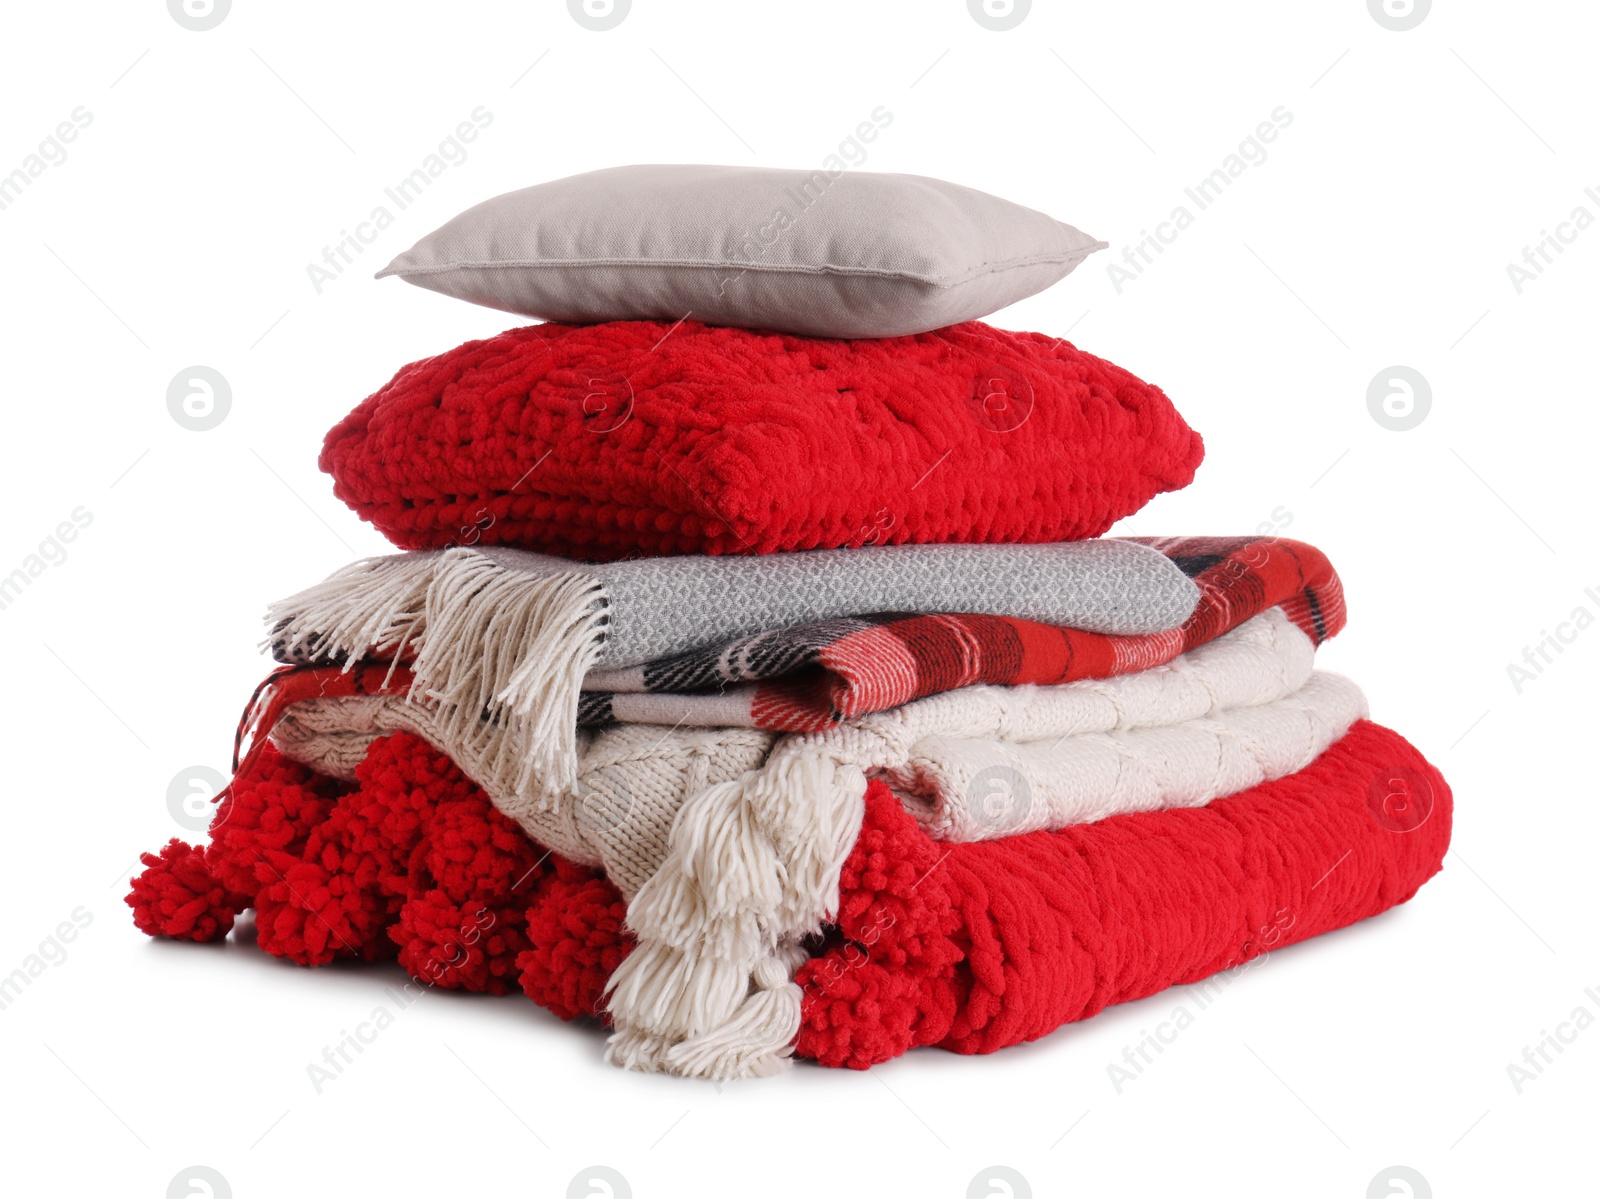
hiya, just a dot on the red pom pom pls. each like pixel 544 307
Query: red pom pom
pixel 412 862
pixel 476 853
pixel 312 917
pixel 467 947
pixel 403 781
pixel 885 982
pixel 176 895
pixel 857 1013
pixel 270 810
pixel 578 936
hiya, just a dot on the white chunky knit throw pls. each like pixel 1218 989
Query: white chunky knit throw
pixel 728 843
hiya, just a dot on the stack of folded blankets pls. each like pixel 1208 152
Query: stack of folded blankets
pixel 755 679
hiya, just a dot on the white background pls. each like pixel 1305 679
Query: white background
pixel 1377 232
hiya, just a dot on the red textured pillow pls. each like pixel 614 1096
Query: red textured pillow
pixel 639 437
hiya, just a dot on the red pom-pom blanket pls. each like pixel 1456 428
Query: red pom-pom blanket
pixel 969 947
pixel 974 947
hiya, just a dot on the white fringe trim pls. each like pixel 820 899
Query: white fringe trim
pixel 755 1042
pixel 500 654
pixel 752 866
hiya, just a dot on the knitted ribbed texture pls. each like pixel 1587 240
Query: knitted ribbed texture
pixel 640 437
pixel 976 947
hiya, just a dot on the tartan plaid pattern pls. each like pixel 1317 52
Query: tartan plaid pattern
pixel 812 677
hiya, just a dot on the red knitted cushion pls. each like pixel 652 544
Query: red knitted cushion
pixel 636 437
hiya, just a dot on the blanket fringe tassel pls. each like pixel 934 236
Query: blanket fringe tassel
pixel 498 654
pixel 752 866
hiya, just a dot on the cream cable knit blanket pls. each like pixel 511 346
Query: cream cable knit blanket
pixel 728 843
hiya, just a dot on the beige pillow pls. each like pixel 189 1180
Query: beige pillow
pixel 825 254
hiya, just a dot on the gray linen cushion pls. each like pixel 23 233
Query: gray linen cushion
pixel 840 254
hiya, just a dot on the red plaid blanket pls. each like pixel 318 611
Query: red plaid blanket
pixel 812 677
